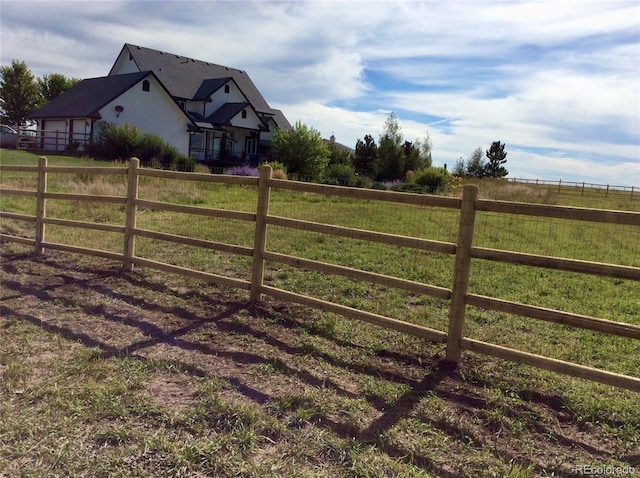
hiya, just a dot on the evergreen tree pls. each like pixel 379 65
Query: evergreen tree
pixel 497 156
pixel 365 156
pixel 390 160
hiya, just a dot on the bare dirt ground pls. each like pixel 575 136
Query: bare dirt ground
pixel 266 352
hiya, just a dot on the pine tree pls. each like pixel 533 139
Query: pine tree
pixel 497 156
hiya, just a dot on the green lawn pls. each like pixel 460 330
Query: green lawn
pixel 331 382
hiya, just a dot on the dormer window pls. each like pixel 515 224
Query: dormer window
pixel 145 85
pixel 226 88
pixel 244 113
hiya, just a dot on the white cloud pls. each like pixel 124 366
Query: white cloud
pixel 563 76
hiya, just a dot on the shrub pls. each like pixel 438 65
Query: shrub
pixel 276 165
pixel 151 147
pixel 340 174
pixel 244 170
pixel 181 162
pixel 279 169
pixel 412 188
pixel 279 174
pixel 124 141
pixel 433 178
pixel 119 141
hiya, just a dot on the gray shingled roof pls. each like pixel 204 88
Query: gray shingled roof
pixel 219 118
pixel 86 98
pixel 183 77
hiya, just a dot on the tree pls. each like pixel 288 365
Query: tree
pixel 54 85
pixel 497 156
pixel 365 155
pixel 301 150
pixel 411 157
pixel 424 147
pixel 389 162
pixel 459 168
pixel 19 92
pixel 339 154
pixel 476 166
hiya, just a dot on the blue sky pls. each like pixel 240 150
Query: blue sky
pixel 558 82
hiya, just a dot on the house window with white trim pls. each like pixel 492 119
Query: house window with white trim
pixel 145 85
pixel 226 88
pixel 244 113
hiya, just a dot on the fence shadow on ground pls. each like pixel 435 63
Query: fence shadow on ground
pixel 81 301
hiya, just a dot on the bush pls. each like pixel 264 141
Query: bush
pixel 244 170
pixel 181 162
pixel 340 174
pixel 121 142
pixel 412 188
pixel 433 178
pixel 151 147
pixel 279 169
pixel 378 185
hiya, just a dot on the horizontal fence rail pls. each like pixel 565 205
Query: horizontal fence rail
pixel 582 186
pixel 463 251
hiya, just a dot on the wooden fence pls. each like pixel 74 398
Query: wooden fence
pixel 629 191
pixel 464 251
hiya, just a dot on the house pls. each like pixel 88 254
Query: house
pixel 212 113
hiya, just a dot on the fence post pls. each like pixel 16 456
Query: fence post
pixel 41 204
pixel 130 214
pixel 461 273
pixel 260 238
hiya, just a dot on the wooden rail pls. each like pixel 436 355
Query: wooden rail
pixel 463 250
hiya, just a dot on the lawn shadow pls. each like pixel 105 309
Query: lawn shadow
pixel 218 310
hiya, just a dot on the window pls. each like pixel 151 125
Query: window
pixel 226 88
pixel 145 85
pixel 244 113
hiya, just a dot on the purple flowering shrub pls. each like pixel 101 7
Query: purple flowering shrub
pixel 244 170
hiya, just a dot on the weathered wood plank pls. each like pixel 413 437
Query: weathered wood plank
pixel 189 241
pixel 553 365
pixel 84 225
pixel 557 263
pixel 368 194
pixel 551 315
pixel 200 211
pixel 361 234
pixel 183 271
pixel 399 325
pixel 384 280
pixel 560 212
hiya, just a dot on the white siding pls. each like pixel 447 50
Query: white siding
pixel 219 98
pixel 57 135
pixel 152 111
pixel 124 65
pixel 251 121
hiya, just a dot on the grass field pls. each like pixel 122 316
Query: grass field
pixel 112 374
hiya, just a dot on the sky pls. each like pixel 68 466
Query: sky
pixel 558 82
